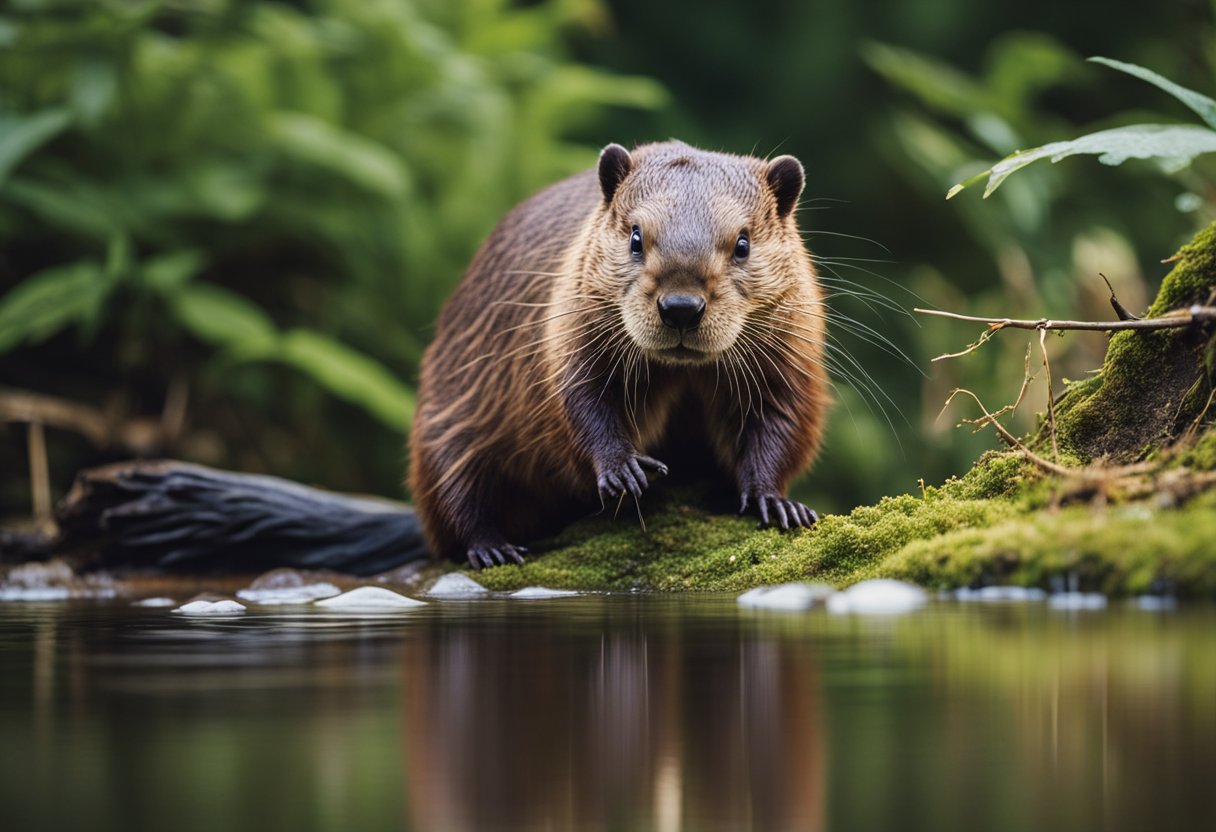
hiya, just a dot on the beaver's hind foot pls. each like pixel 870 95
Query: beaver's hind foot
pixel 494 554
pixel 784 512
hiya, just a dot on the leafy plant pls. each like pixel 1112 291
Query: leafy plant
pixel 1173 145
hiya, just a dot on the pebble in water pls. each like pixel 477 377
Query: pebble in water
pixel 369 599
pixel 536 592
pixel 792 596
pixel 1077 601
pixel 288 594
pixel 1001 593
pixel 201 607
pixel 1156 603
pixel 35 593
pixel 455 585
pixel 159 601
pixel 881 596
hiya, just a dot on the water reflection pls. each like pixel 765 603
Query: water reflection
pixel 613 726
pixel 607 713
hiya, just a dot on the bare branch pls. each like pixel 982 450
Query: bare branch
pixel 1051 399
pixel 1170 320
pixel 1089 472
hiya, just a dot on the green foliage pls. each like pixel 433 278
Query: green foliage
pixel 293 185
pixel 50 301
pixel 1175 146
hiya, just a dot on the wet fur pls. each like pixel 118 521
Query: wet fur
pixel 548 376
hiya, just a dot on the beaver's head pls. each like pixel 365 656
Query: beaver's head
pixel 695 246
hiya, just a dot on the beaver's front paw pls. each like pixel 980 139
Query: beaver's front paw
pixel 491 554
pixel 785 512
pixel 627 474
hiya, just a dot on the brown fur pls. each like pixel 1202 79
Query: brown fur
pixel 552 376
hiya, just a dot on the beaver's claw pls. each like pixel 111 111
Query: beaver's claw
pixel 487 554
pixel 629 475
pixel 778 510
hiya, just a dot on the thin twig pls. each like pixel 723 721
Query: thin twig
pixel 1170 320
pixel 40 476
pixel 1090 472
pixel 1051 400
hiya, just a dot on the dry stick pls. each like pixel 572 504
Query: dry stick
pixel 40 477
pixel 1096 472
pixel 1171 320
pixel 1051 400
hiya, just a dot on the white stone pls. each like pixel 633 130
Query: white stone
pixel 455 585
pixel 792 596
pixel 536 592
pixel 1001 593
pixel 369 599
pixel 1077 601
pixel 289 594
pixel 225 607
pixel 881 596
pixel 155 602
pixel 35 593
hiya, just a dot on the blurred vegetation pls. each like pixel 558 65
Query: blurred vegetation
pixel 250 213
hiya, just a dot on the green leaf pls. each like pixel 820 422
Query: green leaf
pixel 359 160
pixel 350 375
pixel 935 83
pixel 223 318
pixel 167 273
pixel 50 301
pixel 21 135
pixel 1200 103
pixel 1174 145
pixel 75 209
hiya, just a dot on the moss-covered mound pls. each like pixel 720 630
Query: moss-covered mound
pixel 1153 385
pixel 1006 521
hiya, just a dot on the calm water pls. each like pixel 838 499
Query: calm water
pixel 607 713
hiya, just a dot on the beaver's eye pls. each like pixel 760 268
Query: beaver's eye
pixel 743 247
pixel 635 242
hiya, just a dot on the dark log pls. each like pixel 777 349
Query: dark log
pixel 185 517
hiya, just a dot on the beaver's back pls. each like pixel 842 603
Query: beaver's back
pixel 485 390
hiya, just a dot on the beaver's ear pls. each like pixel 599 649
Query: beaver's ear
pixel 785 177
pixel 615 164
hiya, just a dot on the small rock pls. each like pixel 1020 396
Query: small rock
pixel 154 602
pixel 302 594
pixel 1001 593
pixel 369 599
pixel 51 573
pixel 455 585
pixel 792 596
pixel 537 592
pixel 35 593
pixel 881 596
pixel 1077 601
pixel 201 607
pixel 1156 603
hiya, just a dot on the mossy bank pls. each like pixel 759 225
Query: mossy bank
pixel 1006 521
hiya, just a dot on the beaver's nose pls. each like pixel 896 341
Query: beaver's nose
pixel 681 311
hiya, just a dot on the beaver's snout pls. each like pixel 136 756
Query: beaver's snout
pixel 682 312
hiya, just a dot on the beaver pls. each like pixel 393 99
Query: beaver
pixel 663 299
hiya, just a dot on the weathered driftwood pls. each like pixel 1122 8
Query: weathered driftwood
pixel 177 515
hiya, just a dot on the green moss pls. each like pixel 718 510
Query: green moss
pixel 1202 455
pixel 1120 551
pixel 685 548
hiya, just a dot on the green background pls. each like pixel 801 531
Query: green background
pixel 226 227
